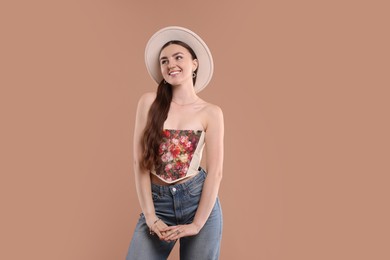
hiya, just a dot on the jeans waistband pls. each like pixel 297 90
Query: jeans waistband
pixel 166 189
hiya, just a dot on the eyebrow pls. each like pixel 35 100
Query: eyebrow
pixel 175 54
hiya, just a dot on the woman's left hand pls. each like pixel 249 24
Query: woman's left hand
pixel 175 232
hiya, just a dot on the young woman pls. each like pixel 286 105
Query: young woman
pixel 178 198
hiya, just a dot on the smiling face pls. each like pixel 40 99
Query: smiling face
pixel 177 65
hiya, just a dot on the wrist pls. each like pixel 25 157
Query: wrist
pixel 150 214
pixel 197 225
pixel 151 217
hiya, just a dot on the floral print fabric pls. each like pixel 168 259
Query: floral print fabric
pixel 176 151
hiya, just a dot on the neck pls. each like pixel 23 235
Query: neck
pixel 183 94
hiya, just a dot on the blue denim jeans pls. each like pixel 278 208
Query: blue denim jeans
pixel 175 205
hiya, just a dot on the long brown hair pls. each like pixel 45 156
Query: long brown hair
pixel 157 115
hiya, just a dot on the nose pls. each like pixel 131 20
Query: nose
pixel 172 64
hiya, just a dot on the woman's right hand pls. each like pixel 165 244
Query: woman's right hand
pixel 156 225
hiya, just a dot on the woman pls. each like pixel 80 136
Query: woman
pixel 179 200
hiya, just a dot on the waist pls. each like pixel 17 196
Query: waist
pixel 157 181
pixel 188 184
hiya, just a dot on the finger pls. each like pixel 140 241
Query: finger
pixel 175 237
pixel 176 234
pixel 170 228
pixel 158 229
pixel 162 231
pixel 161 234
pixel 170 232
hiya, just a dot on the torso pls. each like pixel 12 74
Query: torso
pixel 187 117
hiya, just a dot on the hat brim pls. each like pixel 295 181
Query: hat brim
pixel 205 60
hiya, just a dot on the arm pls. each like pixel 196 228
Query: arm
pixel 142 177
pixel 214 153
pixel 214 159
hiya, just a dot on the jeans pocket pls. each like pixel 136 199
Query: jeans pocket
pixel 155 196
pixel 195 189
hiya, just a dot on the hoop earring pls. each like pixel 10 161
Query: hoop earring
pixel 193 74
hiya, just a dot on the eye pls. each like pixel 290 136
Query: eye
pixel 178 57
pixel 164 62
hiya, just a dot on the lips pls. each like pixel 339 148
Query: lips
pixel 174 72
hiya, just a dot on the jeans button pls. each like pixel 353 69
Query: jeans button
pixel 174 189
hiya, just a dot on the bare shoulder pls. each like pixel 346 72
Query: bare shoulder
pixel 212 114
pixel 144 103
pixel 146 100
pixel 212 109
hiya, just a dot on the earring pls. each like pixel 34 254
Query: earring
pixel 194 74
pixel 165 82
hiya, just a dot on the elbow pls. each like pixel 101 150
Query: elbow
pixel 217 175
pixel 137 166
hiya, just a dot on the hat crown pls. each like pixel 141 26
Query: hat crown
pixel 176 33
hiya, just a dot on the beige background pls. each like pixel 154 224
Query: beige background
pixel 304 86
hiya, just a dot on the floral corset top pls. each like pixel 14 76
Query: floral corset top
pixel 180 153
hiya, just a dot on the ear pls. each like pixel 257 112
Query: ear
pixel 194 64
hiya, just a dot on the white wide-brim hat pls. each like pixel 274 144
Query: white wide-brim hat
pixel 176 33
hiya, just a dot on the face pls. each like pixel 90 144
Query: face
pixel 177 65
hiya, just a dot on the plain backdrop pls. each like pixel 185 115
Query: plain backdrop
pixel 304 86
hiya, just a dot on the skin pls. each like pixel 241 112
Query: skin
pixel 187 111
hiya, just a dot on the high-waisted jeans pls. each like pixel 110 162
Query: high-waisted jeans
pixel 177 205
